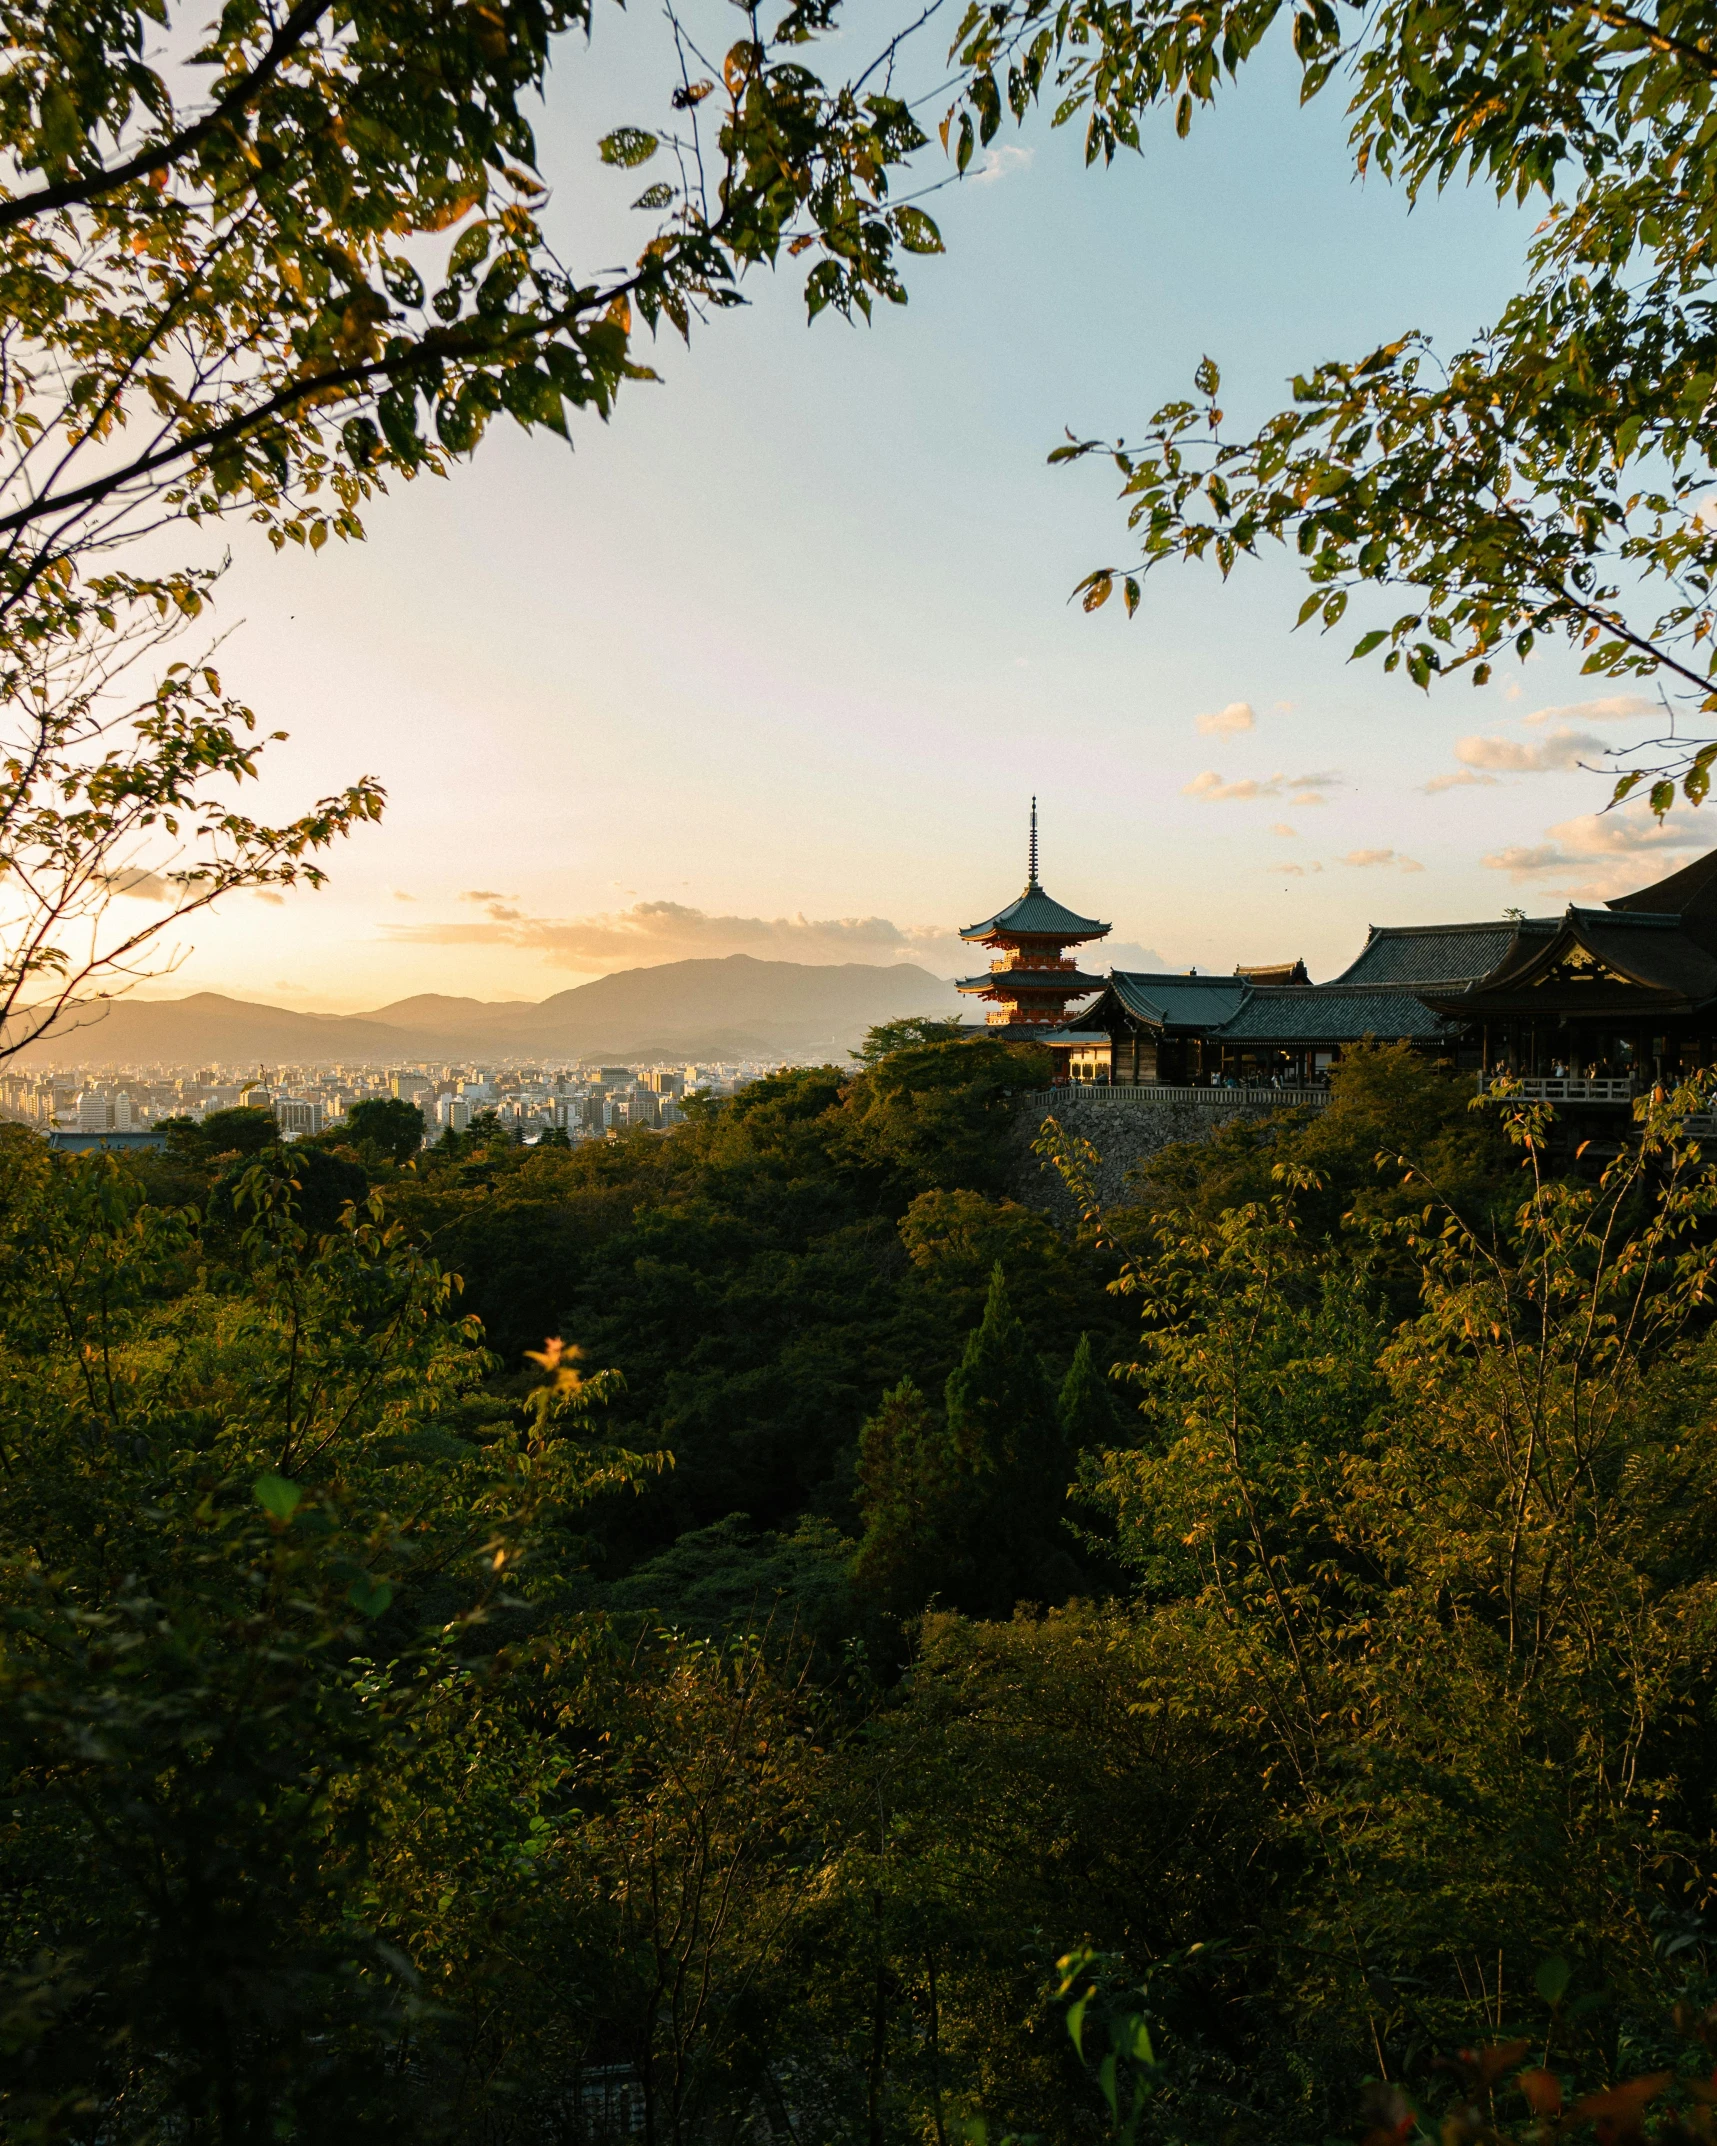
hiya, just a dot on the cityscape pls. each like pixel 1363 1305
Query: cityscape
pixel 101 1105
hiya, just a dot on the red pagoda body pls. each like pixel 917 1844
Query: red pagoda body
pixel 1032 980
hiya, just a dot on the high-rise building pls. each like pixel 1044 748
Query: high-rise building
pixel 299 1117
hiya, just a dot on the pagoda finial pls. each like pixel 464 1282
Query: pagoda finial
pixel 1031 874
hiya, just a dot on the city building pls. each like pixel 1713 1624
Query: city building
pixel 70 1140
pixel 298 1117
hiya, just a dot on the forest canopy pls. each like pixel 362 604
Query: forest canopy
pixel 740 1702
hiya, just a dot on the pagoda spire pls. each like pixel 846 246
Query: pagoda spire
pixel 1033 978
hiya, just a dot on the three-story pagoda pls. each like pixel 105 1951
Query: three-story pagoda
pixel 1032 980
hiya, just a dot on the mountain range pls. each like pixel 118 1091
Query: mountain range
pixel 736 1008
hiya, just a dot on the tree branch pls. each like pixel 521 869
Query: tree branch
pixel 71 192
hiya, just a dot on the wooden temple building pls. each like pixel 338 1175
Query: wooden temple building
pixel 1593 1004
pixel 1032 980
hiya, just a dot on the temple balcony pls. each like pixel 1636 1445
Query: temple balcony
pixel 1561 1088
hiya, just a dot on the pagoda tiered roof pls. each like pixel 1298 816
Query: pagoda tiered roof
pixel 1036 915
pixel 1008 983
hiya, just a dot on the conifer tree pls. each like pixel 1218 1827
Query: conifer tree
pixel 966 1508
pixel 907 1488
pixel 1007 1445
pixel 1089 1421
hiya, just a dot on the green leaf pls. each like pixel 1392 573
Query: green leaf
pixel 1552 1979
pixel 918 232
pixel 471 251
pixel 369 1596
pixel 627 147
pixel 277 1497
pixel 1076 2022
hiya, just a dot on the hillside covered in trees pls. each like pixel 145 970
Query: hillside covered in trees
pixel 680 1636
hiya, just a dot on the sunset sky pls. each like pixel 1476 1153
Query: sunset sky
pixel 773 663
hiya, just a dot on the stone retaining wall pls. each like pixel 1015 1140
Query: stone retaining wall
pixel 1125 1131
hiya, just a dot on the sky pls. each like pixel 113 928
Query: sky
pixel 774 662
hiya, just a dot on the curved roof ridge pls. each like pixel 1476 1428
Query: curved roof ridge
pixel 1692 888
pixel 1035 914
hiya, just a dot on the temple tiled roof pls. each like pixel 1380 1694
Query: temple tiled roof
pixel 1072 982
pixel 1690 894
pixel 1655 951
pixel 1179 1001
pixel 1038 915
pixel 1445 955
pixel 1331 1014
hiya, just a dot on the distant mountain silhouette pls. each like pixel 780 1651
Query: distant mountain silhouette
pixel 735 1008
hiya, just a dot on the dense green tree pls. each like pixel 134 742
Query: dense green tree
pixel 935 1115
pixel 385 1127
pixel 1085 1406
pixel 966 1505
pixel 245 1554
pixel 888 1037
pixel 1012 1466
pixel 955 1240
pixel 730 1578
pixel 321 1186
pixel 908 1491
pixel 765 1272
pixel 244 1130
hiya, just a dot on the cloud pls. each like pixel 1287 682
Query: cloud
pixel 144 886
pixel 1236 716
pixel 274 901
pixel 1569 744
pixel 400 895
pixel 1288 834
pixel 1439 783
pixel 648 933
pixel 1612 707
pixel 1210 788
pixel 1606 848
pixel 1555 753
pixel 998 163
pixel 1293 871
pixel 1127 954
pixel 487 894
pixel 1370 859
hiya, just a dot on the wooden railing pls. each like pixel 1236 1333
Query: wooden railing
pixel 1564 1088
pixel 1167 1092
